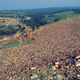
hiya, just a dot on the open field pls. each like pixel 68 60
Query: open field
pixel 16 42
pixel 11 43
pixel 61 15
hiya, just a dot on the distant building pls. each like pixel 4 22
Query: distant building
pixel 28 18
pixel 16 28
pixel 5 38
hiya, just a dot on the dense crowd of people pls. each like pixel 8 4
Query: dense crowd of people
pixel 56 40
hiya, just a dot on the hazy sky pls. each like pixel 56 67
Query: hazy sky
pixel 31 4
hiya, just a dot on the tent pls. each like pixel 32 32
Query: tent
pixel 34 76
pixel 78 64
pixel 32 68
pixel 78 57
pixel 53 68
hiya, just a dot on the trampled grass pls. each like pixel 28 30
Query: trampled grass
pixel 61 15
pixel 11 43
pixel 16 42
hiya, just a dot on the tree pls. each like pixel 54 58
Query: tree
pixel 1 32
pixel 19 26
pixel 57 19
pixel 14 30
pixel 35 21
pixel 22 29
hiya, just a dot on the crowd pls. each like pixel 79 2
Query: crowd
pixel 2 43
pixel 56 41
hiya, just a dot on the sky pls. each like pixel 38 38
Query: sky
pixel 35 4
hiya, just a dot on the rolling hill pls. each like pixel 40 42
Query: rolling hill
pixel 55 41
pixel 59 15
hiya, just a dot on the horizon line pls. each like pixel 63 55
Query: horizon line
pixel 41 8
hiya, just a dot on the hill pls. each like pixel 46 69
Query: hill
pixel 63 35
pixel 56 40
pixel 60 35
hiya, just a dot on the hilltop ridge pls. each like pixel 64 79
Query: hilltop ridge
pixel 62 34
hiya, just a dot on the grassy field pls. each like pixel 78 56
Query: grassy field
pixel 21 12
pixel 13 14
pixel 61 15
pixel 11 43
pixel 15 42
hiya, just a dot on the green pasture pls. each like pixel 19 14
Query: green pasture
pixel 3 12
pixel 11 43
pixel 21 12
pixel 16 42
pixel 61 15
pixel 8 15
pixel 46 15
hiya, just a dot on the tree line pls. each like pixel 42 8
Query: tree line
pixel 35 21
pixel 9 30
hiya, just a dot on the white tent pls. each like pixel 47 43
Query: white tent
pixel 34 76
pixel 78 64
pixel 78 57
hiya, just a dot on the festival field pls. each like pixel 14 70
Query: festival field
pixel 57 43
